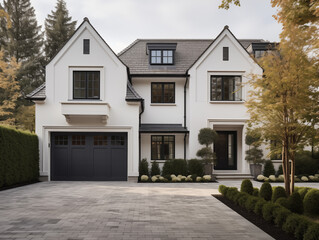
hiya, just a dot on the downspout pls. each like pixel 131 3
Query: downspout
pixel 185 85
pixel 139 135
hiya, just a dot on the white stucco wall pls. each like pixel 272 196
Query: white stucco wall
pixel 122 117
pixel 158 112
pixel 201 112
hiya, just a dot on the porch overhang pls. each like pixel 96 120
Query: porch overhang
pixel 163 128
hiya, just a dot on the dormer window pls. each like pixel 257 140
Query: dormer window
pixel 161 53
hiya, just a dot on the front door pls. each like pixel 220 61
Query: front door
pixel 226 150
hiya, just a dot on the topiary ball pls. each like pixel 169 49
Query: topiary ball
pixel 295 203
pixel 266 191
pixel 278 193
pixel 311 202
pixel 247 187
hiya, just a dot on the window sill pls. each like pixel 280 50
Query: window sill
pixel 227 102
pixel 163 104
pixel 159 161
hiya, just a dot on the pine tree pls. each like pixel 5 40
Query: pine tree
pixel 24 42
pixel 58 29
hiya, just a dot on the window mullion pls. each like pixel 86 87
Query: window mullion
pixel 162 97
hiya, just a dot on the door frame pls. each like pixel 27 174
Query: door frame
pixel 235 152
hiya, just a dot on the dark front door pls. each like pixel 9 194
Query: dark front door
pixel 226 150
pixel 89 156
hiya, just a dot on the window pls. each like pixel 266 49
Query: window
pixel 225 88
pixel 117 140
pixel 100 140
pixel 163 147
pixel 86 46
pixel 259 53
pixel 225 53
pixel 61 140
pixel 163 93
pixel 78 140
pixel 86 85
pixel 162 57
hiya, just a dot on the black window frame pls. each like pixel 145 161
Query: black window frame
pixel 163 95
pixel 86 46
pixel 162 56
pixel 225 53
pixel 86 86
pixel 223 91
pixel 162 147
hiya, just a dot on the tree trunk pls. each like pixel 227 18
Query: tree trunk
pixel 285 166
pixel 292 166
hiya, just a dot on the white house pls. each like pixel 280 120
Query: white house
pixel 99 113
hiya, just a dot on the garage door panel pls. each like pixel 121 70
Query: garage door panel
pixel 118 164
pixel 102 163
pixel 60 168
pixel 80 163
pixel 89 156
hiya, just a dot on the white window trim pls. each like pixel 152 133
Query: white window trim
pixel 87 68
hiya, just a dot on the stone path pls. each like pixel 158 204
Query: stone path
pixel 120 210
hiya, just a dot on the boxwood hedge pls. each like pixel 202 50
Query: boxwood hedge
pixel 19 157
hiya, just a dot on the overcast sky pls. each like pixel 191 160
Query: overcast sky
pixel 120 22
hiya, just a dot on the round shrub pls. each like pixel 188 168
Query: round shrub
pixel 259 205
pixel 312 232
pixel 250 203
pixel 272 178
pixel 267 211
pixel 198 179
pixel 260 177
pixel 278 193
pixel 302 191
pixel 247 187
pixel 242 199
pixel 283 201
pixel 295 203
pixel 304 179
pixel 291 223
pixel 155 170
pixel 280 215
pixel 231 193
pixel 269 168
pixel 222 189
pixel 256 192
pixel 144 178
pixel 195 167
pixel 311 202
pixel 265 191
pixel 207 178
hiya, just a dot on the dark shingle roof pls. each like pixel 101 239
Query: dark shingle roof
pixel 187 52
pixel 131 94
pixel 162 128
pixel 37 94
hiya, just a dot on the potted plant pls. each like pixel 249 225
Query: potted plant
pixel 206 137
pixel 254 155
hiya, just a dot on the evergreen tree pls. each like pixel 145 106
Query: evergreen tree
pixel 58 29
pixel 24 41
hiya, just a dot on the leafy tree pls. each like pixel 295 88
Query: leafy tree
pixel 24 41
pixel 5 23
pixel 58 29
pixel 25 117
pixel 9 89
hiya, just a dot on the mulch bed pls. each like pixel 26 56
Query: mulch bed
pixel 271 229
pixel 17 185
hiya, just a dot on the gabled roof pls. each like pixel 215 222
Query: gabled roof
pixel 37 94
pixel 136 57
pixel 131 94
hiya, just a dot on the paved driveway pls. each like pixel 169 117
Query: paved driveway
pixel 119 210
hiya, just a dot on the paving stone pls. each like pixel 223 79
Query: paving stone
pixel 121 210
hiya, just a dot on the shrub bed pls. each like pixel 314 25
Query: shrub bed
pixel 276 212
pixel 19 157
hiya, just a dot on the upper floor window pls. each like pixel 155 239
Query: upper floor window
pixel 225 88
pixel 163 93
pixel 86 85
pixel 162 57
pixel 225 53
pixel 86 46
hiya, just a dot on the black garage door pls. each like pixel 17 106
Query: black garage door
pixel 89 156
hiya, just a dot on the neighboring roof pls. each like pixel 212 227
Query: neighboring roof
pixel 131 94
pixel 162 128
pixel 135 56
pixel 37 94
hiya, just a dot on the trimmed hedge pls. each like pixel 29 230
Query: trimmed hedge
pixel 298 225
pixel 266 191
pixel 19 157
pixel 195 166
pixel 295 203
pixel 247 187
pixel 311 202
pixel 278 192
pixel 175 166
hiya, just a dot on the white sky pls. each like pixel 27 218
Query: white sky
pixel 120 22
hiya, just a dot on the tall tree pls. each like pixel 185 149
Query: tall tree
pixel 9 89
pixel 24 42
pixel 58 29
